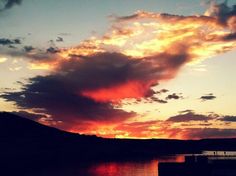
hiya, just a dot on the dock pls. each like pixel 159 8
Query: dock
pixel 209 163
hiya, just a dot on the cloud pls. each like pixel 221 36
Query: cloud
pixel 81 84
pixel 186 111
pixel 147 34
pixel 139 129
pixel 36 56
pixel 9 42
pixel 9 3
pixel 28 48
pixel 221 11
pixel 228 118
pixel 203 133
pixel 158 100
pixel 189 116
pixel 134 78
pixel 164 129
pixel 174 96
pixel 204 124
pixel 62 94
pixel 207 97
pixel 52 50
pixel 59 39
pixel 162 91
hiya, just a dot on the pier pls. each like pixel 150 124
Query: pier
pixel 209 163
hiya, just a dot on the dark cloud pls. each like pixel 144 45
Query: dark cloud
pixel 12 47
pixel 52 50
pixel 201 133
pixel 37 57
pixel 189 116
pixel 106 66
pixel 158 100
pixel 186 111
pixel 9 3
pixel 196 124
pixel 59 39
pixel 174 96
pixel 63 104
pixel 228 118
pixel 124 18
pixel 72 91
pixel 207 97
pixel 9 42
pixel 162 91
pixel 28 48
pixel 107 70
pixel 229 37
pixel 222 12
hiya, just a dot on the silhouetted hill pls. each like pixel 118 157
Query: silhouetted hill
pixel 25 144
pixel 13 126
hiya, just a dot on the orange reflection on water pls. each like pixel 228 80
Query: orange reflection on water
pixel 131 168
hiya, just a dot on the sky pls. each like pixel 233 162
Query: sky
pixel 121 69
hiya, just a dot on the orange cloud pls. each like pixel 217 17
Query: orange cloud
pixel 147 34
pixel 131 89
pixel 182 126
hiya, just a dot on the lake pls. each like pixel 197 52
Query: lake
pixel 114 168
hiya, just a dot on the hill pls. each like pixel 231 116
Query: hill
pixel 27 143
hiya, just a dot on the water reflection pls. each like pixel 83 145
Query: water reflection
pixel 130 168
pixel 124 168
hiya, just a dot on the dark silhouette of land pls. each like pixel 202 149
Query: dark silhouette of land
pixel 26 145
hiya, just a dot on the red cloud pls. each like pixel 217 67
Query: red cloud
pixel 131 89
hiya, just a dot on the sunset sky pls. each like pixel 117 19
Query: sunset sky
pixel 121 69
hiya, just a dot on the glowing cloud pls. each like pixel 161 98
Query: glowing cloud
pixel 166 41
pixel 3 59
pixel 146 34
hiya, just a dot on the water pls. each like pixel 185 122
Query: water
pixel 119 168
